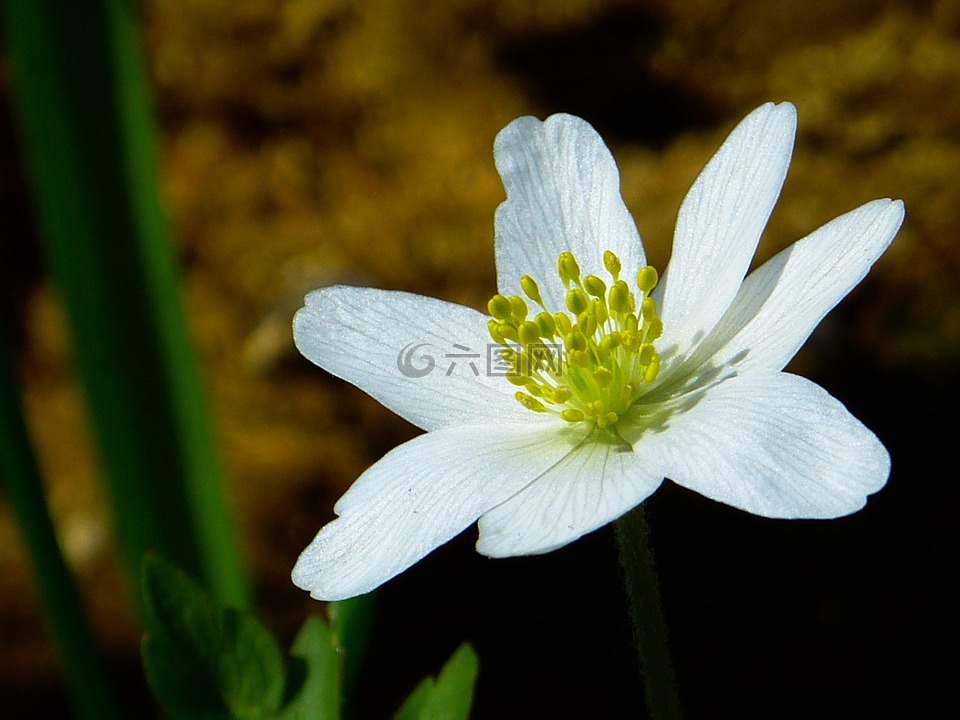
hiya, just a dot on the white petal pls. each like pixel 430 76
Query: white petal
pixel 773 444
pixel 563 193
pixel 379 340
pixel 592 486
pixel 781 303
pixel 419 496
pixel 720 223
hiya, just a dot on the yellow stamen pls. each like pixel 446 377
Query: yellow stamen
pixel 499 307
pixel 518 307
pixel 568 268
pixel 647 279
pixel 612 263
pixel 589 361
pixel 594 286
pixel 531 289
pixel 577 301
pixel 530 403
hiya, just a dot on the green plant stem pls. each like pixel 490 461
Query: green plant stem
pixel 649 627
pixel 86 130
pixel 90 690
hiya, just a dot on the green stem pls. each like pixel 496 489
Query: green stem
pixel 87 681
pixel 649 627
pixel 86 128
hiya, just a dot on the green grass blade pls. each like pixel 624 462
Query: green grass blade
pixel 81 104
pixel 87 681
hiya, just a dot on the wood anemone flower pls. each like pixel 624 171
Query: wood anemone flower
pixel 608 379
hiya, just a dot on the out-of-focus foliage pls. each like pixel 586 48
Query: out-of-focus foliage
pixel 206 662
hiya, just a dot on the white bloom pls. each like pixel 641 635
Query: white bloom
pixel 682 382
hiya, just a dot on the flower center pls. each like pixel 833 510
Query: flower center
pixel 590 363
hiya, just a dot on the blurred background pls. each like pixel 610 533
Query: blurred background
pixel 309 142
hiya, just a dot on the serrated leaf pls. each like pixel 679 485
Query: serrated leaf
pixel 250 668
pixel 180 611
pixel 202 661
pixel 179 652
pixel 185 689
pixel 450 696
pixel 317 665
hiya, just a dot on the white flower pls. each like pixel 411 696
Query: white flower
pixel 682 382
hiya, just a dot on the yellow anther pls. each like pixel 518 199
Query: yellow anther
pixel 631 341
pixel 517 378
pixel 580 358
pixel 602 377
pixel 530 287
pixel 647 279
pixel 607 419
pixel 507 331
pixel 529 333
pixel 587 323
pixel 610 342
pixel 612 263
pixel 619 298
pixel 630 323
pixel 652 370
pixel 564 326
pixel 572 415
pixel 530 403
pixel 649 309
pixel 561 394
pixel 577 301
pixel 654 329
pixel 534 389
pixel 574 341
pixel 499 307
pixel 518 308
pixel 547 325
pixel 597 407
pixel 646 354
pixel 599 310
pixel 568 268
pixel 493 327
pixel 622 295
pixel 594 285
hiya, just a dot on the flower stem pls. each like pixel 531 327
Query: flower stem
pixel 649 627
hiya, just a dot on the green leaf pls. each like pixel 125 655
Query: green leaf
pixel 82 106
pixel 202 661
pixel 450 696
pixel 250 667
pixel 317 665
pixel 179 610
pixel 413 707
pixel 351 622
pixel 453 693
pixel 184 686
pixel 91 689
